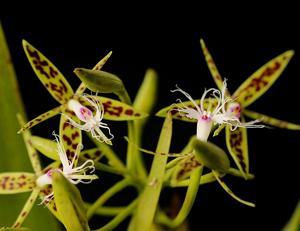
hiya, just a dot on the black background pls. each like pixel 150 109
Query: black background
pixel 241 38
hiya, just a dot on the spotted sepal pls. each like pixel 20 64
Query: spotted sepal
pixel 32 153
pixel 271 121
pixel 94 154
pixel 70 136
pixel 116 110
pixel 212 67
pixel 184 168
pixel 46 190
pixel 230 192
pixel 26 208
pixel 237 145
pixel 208 103
pixel 41 118
pixel 261 80
pixel 16 182
pixel 48 74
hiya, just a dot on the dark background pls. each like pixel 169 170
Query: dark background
pixel 240 38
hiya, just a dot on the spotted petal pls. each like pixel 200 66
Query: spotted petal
pixel 16 182
pixel 48 74
pixel 184 168
pixel 261 80
pixel 230 192
pixel 180 116
pixel 212 66
pixel 237 145
pixel 94 154
pixel 271 121
pixel 70 136
pixel 118 111
pixel 41 118
pixel 26 208
pixel 32 153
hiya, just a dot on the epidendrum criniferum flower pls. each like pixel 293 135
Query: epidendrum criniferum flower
pixel 92 122
pixel 39 182
pixel 256 85
pixel 75 174
pixel 60 89
pixel 213 114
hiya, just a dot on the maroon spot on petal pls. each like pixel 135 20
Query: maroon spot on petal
pixel 129 112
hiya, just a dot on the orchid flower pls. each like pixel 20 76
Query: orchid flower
pixel 75 175
pixel 249 91
pixel 92 122
pixel 206 118
pixel 61 90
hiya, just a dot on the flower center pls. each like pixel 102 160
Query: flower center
pixel 234 109
pixel 85 113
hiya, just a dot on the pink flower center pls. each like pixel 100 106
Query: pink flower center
pixel 85 112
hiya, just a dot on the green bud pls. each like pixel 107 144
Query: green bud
pixel 210 155
pixel 100 81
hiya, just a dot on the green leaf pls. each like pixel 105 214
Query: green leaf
pixel 210 155
pixel 294 222
pixel 13 153
pixel 148 201
pixel 70 206
pixel 48 74
pixel 16 182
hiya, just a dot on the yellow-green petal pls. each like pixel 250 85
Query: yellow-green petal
pixel 16 182
pixel 261 80
pixel 32 153
pixel 45 146
pixel 94 154
pixel 183 168
pixel 26 208
pixel 271 121
pixel 237 145
pixel 48 74
pixel 212 66
pixel 118 111
pixel 209 102
pixel 41 118
pixel 230 192
pixel 70 136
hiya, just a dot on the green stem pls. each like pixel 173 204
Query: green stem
pixel 109 153
pixel 187 204
pixel 149 198
pixel 119 218
pixel 108 194
pixel 110 169
pixel 107 210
